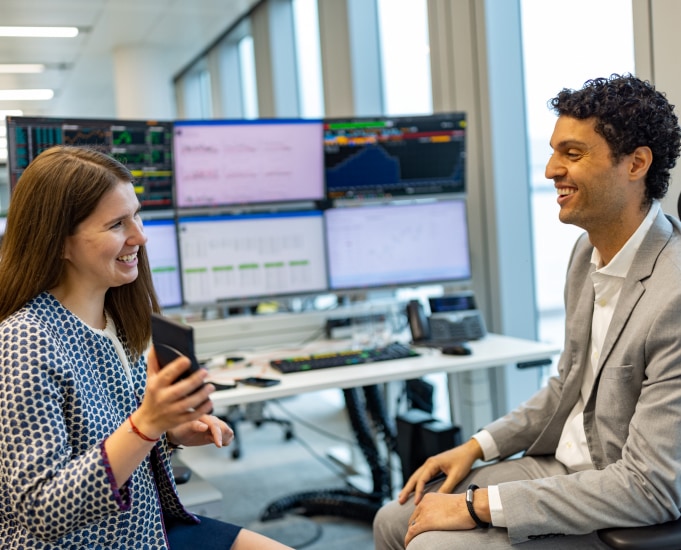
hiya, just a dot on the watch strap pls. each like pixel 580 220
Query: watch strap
pixel 469 504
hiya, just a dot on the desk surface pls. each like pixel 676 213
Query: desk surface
pixel 492 351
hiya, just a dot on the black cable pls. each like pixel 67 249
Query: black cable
pixel 316 334
pixel 315 538
pixel 346 503
pixel 352 443
pixel 332 466
pixel 375 404
pixel 379 414
pixel 329 464
pixel 311 426
pixel 366 440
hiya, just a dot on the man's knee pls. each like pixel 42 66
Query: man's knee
pixel 443 540
pixel 390 524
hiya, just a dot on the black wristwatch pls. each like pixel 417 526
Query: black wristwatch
pixel 469 503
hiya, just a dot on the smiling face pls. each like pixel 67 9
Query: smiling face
pixel 595 192
pixel 102 253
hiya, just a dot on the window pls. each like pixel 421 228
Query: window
pixel 405 57
pixel 306 24
pixel 557 57
pixel 249 87
pixel 197 94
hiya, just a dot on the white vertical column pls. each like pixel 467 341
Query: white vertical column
pixel 656 45
pixel 476 65
pixel 334 41
pixel 351 65
pixel 275 59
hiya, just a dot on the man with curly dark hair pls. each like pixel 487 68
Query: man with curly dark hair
pixel 628 112
pixel 599 445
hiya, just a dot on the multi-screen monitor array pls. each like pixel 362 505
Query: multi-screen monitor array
pixel 240 210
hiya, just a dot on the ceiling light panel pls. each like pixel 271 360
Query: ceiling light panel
pixel 26 95
pixel 21 68
pixel 39 32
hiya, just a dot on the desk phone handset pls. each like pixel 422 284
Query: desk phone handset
pixel 454 320
pixel 418 322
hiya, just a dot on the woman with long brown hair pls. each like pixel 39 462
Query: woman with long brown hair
pixel 89 421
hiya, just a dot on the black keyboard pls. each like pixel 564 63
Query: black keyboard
pixel 343 358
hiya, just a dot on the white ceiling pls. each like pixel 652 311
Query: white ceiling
pixel 81 70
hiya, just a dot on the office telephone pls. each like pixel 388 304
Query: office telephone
pixel 453 320
pixel 419 323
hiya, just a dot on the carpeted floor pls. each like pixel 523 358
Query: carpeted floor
pixel 271 467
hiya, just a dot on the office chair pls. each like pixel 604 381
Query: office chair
pixel 665 536
pixel 253 412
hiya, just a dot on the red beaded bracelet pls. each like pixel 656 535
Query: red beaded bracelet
pixel 140 434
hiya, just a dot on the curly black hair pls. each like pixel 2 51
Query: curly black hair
pixel 629 113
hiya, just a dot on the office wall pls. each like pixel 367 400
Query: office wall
pixel 657 43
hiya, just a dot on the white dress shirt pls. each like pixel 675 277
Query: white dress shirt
pixel 572 449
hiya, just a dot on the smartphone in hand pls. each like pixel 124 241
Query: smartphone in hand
pixel 172 339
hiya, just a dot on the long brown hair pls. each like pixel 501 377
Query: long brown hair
pixel 56 192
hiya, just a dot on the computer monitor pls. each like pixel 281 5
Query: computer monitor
pixel 395 156
pixel 240 257
pixel 395 245
pixel 144 146
pixel 237 162
pixel 164 260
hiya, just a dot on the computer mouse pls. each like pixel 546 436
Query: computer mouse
pixel 457 349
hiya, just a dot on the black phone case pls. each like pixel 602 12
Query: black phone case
pixel 171 340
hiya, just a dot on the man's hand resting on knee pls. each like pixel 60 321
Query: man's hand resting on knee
pixel 446 512
pixel 455 464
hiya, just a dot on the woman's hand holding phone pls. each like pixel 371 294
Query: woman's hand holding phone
pixel 169 402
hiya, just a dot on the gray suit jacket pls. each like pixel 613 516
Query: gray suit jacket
pixel 632 417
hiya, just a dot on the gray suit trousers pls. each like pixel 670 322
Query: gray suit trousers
pixel 390 524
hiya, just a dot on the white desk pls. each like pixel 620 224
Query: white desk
pixel 492 351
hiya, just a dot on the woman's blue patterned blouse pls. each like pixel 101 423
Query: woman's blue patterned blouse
pixel 63 391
